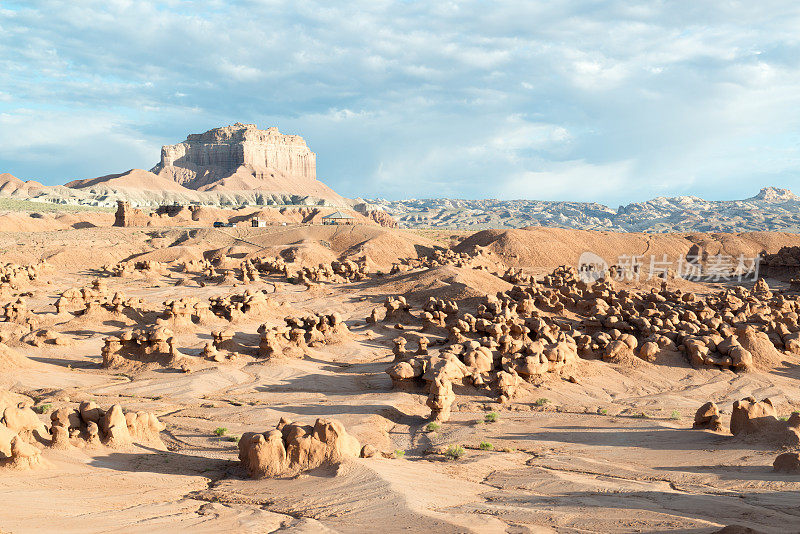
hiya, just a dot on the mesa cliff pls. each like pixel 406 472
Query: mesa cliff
pixel 231 165
pixel 203 159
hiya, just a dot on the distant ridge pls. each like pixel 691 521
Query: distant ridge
pixel 775 194
pixel 772 209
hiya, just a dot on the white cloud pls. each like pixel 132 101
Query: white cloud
pixel 88 142
pixel 617 100
pixel 240 73
pixel 569 180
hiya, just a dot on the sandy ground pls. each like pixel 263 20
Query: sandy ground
pixel 611 453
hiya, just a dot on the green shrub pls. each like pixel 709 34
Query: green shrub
pixel 541 402
pixel 43 408
pixel 399 453
pixel 784 418
pixel 486 446
pixel 221 431
pixel 675 415
pixel 433 426
pixel 455 452
pixel 491 417
pixel 603 411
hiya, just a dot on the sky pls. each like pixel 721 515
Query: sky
pixel 605 101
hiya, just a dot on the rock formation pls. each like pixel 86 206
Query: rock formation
pixel 89 424
pixel 139 347
pixel 707 417
pixel 759 419
pixel 127 216
pixel 788 462
pixel 293 448
pixel 206 158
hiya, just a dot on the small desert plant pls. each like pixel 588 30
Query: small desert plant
pixel 603 411
pixel 675 415
pixel 486 446
pixel 433 426
pixel 43 408
pixel 455 452
pixel 221 431
pixel 233 439
pixel 784 418
pixel 541 402
pixel 399 453
pixel 491 417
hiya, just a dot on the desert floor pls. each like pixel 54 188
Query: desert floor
pixel 612 452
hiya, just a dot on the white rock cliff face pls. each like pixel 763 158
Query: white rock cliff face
pixel 221 152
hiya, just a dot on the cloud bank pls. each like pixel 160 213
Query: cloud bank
pixel 602 101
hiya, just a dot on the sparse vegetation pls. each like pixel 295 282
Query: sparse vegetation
pixel 541 402
pixel 603 411
pixel 433 426
pixel 486 446
pixel 9 204
pixel 675 415
pixel 399 453
pixel 221 431
pixel 233 439
pixel 641 415
pixel 491 417
pixel 454 452
pixel 784 418
pixel 43 408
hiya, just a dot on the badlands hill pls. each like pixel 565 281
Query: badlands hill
pixel 11 186
pixel 771 209
pixel 547 248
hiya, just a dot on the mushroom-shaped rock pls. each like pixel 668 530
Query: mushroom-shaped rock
pixel 263 455
pixel 440 399
pixel 750 416
pixel 648 351
pixel 114 427
pixel 788 462
pixel 707 417
pixel 23 455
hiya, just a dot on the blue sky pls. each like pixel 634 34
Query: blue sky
pixel 605 101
